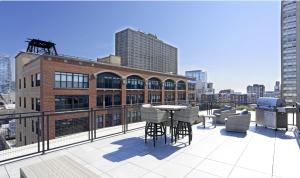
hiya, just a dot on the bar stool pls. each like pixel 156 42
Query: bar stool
pixel 185 119
pixel 155 123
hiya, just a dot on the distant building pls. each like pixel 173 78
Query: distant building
pixel 272 94
pixel 199 75
pixel 251 98
pixel 238 98
pixel 277 86
pixel 209 98
pixel 202 86
pixel 111 59
pixel 209 88
pixel 259 90
pixel 224 95
pixel 275 93
pixel 5 74
pixel 145 51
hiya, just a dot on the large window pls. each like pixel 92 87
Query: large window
pixel 191 86
pixel 169 85
pixel 170 96
pixel 134 98
pixel 71 80
pixel 32 81
pixel 135 82
pixel 181 85
pixel 117 100
pixel 37 104
pixel 71 102
pixel 154 84
pixel 24 81
pixel 181 96
pixel 71 126
pixel 154 97
pixel 32 103
pixel 108 100
pixel 108 80
pixel 100 100
pixel 37 79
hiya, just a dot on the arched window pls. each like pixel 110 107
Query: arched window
pixel 169 85
pixel 154 83
pixel 108 80
pixel 181 85
pixel 135 82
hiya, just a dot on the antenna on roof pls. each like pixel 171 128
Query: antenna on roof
pixel 41 47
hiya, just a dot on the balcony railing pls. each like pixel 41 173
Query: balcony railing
pixel 24 134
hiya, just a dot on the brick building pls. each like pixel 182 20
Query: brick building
pixel 59 83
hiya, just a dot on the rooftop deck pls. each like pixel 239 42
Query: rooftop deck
pixel 213 153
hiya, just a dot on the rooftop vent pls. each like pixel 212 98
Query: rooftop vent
pixel 41 47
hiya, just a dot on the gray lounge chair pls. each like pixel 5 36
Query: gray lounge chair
pixel 238 122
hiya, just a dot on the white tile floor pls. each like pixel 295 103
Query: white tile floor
pixel 213 153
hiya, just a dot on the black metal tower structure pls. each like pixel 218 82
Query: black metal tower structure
pixel 41 47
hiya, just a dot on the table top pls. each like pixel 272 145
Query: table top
pixel 170 107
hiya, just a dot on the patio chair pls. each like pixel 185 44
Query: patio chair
pixel 238 122
pixel 222 114
pixel 155 123
pixel 185 118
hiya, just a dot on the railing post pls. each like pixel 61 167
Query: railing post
pixel 43 134
pixel 91 121
pixel 95 124
pixel 89 124
pixel 48 131
pixel 39 133
pixel 124 118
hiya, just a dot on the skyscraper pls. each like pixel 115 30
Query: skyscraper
pixel 290 50
pixel 145 51
pixel 5 74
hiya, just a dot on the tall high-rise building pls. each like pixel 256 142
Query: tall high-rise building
pixel 145 51
pixel 5 74
pixel 199 75
pixel 290 50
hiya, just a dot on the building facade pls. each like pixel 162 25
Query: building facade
pixel 259 90
pixel 58 83
pixel 145 51
pixel 199 75
pixel 238 98
pixel 290 50
pixel 5 74
pixel 202 86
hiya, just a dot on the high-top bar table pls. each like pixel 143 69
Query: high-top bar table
pixel 170 109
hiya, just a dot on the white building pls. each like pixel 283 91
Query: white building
pixel 202 86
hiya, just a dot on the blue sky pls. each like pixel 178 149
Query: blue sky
pixel 237 43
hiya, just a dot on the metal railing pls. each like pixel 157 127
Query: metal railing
pixel 25 134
